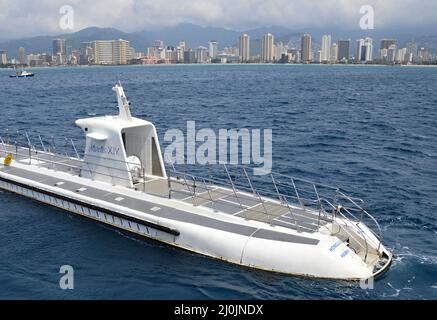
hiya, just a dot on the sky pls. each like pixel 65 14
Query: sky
pixel 25 18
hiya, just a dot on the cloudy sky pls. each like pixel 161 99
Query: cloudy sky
pixel 23 18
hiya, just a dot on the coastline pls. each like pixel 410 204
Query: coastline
pixel 197 65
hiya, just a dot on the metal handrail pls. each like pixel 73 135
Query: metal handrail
pixel 73 158
pixel 379 236
pixel 310 196
pixel 79 155
pixel 338 210
pixel 17 154
pixel 222 183
pixel 355 204
pixel 199 196
pixel 52 162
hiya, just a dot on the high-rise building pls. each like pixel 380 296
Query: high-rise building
pixel 111 51
pixel 183 45
pixel 391 53
pixel 120 51
pixel 334 53
pixel 383 54
pixel 343 50
pixel 201 54
pixel 424 55
pixel 267 48
pixel 59 47
pixel 364 51
pixel 86 53
pixel 411 51
pixel 318 56
pixel 59 51
pixel 130 53
pixel 368 45
pixel 386 43
pixel 22 55
pixel 159 49
pixel 212 49
pixel 151 52
pixel 103 52
pixel 75 57
pixel 180 54
pixel 33 60
pixel 171 55
pixel 189 56
pixel 326 48
pixel 360 45
pixel 279 50
pixel 245 47
pixel 401 55
pixel 233 51
pixel 306 48
pixel 3 57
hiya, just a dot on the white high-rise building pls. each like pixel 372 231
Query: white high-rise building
pixel 180 54
pixel 318 56
pixel 360 45
pixel 267 51
pixel 334 53
pixel 411 51
pixel 424 54
pixel 401 55
pixel 391 53
pixel 279 49
pixel 383 54
pixel 3 57
pixel 183 45
pixel 212 49
pixel 368 44
pixel 326 48
pixel 201 54
pixel 364 51
pixel 244 47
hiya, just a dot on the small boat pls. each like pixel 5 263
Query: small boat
pixel 22 74
pixel 284 224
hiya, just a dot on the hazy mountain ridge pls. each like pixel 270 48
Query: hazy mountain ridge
pixel 44 43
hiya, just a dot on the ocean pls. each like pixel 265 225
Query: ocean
pixel 371 130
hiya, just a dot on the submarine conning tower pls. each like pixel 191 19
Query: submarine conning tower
pixel 121 150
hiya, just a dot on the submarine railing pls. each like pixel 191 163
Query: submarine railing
pixel 228 179
pixel 316 204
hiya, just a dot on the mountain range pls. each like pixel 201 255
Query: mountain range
pixel 195 36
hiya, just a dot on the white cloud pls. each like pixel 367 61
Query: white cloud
pixel 34 17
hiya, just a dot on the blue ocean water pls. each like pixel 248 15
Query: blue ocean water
pixel 370 130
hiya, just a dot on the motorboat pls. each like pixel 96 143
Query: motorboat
pixel 22 74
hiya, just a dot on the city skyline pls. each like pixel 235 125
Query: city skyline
pixel 199 36
pixel 25 18
pixel 120 52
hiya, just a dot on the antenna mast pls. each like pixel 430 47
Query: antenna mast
pixel 123 103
